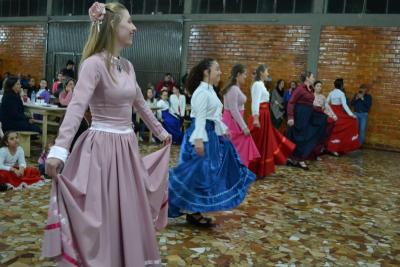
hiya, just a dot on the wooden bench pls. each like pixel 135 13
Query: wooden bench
pixel 25 141
pixel 52 123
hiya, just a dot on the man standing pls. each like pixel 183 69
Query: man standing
pixel 70 72
pixel 361 103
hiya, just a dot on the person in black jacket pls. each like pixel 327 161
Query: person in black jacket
pixel 69 71
pixel 12 114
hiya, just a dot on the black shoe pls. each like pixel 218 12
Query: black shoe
pixel 3 187
pixel 335 154
pixel 197 219
pixel 303 165
pixel 291 162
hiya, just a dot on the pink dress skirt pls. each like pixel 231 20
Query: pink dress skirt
pixel 244 145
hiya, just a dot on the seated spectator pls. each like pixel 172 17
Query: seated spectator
pixel 177 103
pixel 24 80
pixel 166 84
pixel 66 95
pixel 362 102
pixel 43 93
pixel 151 102
pixel 56 82
pixel 12 115
pixel 151 86
pixel 13 169
pixel 70 72
pixel 171 122
pixel 31 87
pixel 60 85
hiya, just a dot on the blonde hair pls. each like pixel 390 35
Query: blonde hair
pixel 98 41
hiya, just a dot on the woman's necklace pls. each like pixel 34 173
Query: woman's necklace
pixel 117 62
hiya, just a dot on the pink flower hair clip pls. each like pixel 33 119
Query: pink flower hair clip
pixel 96 14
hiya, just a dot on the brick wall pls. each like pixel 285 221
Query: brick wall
pixel 358 54
pixel 22 49
pixel 367 55
pixel 283 48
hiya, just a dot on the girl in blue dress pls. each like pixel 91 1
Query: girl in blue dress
pixel 170 122
pixel 209 176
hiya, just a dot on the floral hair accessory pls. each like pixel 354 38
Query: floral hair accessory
pixel 96 14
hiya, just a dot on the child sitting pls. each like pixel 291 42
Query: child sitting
pixel 43 93
pixel 13 169
pixel 170 122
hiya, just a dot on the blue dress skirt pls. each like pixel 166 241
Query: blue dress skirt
pixel 217 181
pixel 173 126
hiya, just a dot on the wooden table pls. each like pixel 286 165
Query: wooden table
pixel 45 111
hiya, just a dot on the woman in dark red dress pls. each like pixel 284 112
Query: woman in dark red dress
pixel 306 126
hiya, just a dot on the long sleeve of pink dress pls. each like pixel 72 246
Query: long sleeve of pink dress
pixel 108 201
pixel 234 102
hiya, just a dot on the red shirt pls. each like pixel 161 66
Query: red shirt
pixel 300 96
pixel 160 85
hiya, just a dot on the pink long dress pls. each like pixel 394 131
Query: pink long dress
pixel 234 102
pixel 108 201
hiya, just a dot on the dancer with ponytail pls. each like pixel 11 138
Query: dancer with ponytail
pixel 234 101
pixel 209 176
pixel 108 202
pixel 274 148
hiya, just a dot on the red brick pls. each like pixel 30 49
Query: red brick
pixel 22 49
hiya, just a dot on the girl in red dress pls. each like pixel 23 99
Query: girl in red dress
pixel 274 148
pixel 13 169
pixel 344 136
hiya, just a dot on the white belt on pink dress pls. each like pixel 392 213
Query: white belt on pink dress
pixel 104 127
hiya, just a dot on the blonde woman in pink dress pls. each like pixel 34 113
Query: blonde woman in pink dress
pixel 234 101
pixel 108 202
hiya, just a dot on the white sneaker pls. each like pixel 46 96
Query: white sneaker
pixel 153 141
pixel 140 139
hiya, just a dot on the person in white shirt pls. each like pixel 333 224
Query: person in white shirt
pixel 172 123
pixel 13 169
pixel 273 147
pixel 177 103
pixel 345 136
pixel 209 176
pixel 151 102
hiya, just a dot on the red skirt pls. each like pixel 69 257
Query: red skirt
pixel 344 136
pixel 274 148
pixel 31 176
